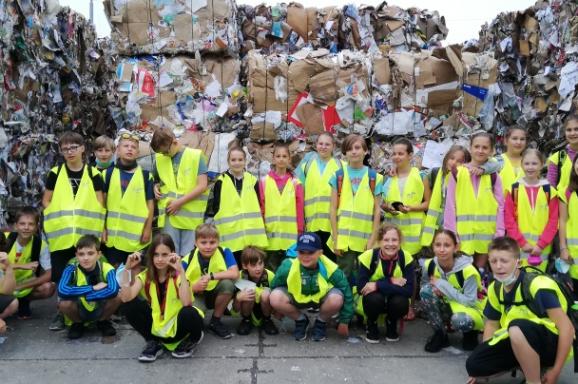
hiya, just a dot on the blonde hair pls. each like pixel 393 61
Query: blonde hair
pixel 206 231
pixel 103 141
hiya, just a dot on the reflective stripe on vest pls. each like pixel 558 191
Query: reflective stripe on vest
pixel 475 214
pixel 127 212
pixel 355 213
pixel 239 219
pixel 318 195
pixel 192 213
pixel 409 223
pixel 533 221
pixel 69 216
pixel 280 214
pixel 294 285
pixel 216 264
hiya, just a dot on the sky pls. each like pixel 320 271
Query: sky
pixel 463 17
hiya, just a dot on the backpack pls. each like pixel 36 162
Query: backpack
pixel 375 261
pixel 561 159
pixel 459 274
pixel 372 179
pixel 516 188
pixel 571 312
pixel 36 245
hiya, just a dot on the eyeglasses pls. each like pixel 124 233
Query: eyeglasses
pixel 71 149
pixel 129 136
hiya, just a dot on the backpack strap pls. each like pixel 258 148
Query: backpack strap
pixel 433 176
pixel 561 158
pixel 10 240
pixel 493 178
pixel 36 248
pixel 374 261
pixel 431 268
pixel 515 189
pixel 547 191
pixel 460 277
pixel 372 176
pixel 339 174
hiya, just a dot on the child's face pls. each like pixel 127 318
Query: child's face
pixel 170 150
pixel 309 259
pixel 390 243
pixel 26 226
pixel 255 270
pixel 481 149
pixel 161 257
pixel 207 246
pixel 456 159
pixel 103 154
pixel 355 153
pixel 72 152
pixel 324 147
pixel 503 263
pixel 516 142
pixel 444 247
pixel 281 159
pixel 127 150
pixel 571 132
pixel 400 156
pixel 87 257
pixel 237 162
pixel 532 165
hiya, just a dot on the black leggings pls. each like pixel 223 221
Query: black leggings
pixel 139 315
pixel 394 306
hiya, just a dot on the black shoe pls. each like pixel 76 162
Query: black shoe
pixel 300 332
pixel 391 330
pixel 372 333
pixel 75 331
pixel 105 327
pixel 437 342
pixel 245 327
pixel 470 340
pixel 269 326
pixel 219 328
pixel 152 350
pixel 57 323
pixel 319 332
pixel 24 309
pixel 185 349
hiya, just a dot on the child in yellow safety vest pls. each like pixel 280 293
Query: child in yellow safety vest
pixel 526 321
pixel 569 227
pixel 281 197
pixel 129 196
pixel 253 302
pixel 314 172
pixel 73 206
pixel 212 270
pixel 8 303
pixel 510 162
pixel 531 211
pixel 88 289
pixel 103 148
pixel 560 162
pixel 29 256
pixel 405 197
pixel 451 293
pixel 437 183
pixel 235 207
pixel 475 203
pixel 158 302
pixel 180 175
pixel 355 205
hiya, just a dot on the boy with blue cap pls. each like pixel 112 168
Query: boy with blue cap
pixel 312 280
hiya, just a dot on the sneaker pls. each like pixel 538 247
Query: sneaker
pixel 75 331
pixel 245 327
pixel 57 323
pixel 391 331
pixel 372 333
pixel 269 327
pixel 24 312
pixel 437 342
pixel 153 349
pixel 470 340
pixel 319 331
pixel 300 331
pixel 184 349
pixel 220 329
pixel 105 327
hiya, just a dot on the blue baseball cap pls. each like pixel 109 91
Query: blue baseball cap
pixel 309 242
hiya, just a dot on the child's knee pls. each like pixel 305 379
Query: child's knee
pixel 334 300
pixel 426 292
pixel 226 287
pixel 278 298
pixel 11 309
pixel 265 295
pixel 46 290
pixel 462 322
pixel 66 305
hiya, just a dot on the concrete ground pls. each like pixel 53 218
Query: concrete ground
pixel 30 352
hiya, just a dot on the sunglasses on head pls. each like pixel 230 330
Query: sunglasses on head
pixel 129 136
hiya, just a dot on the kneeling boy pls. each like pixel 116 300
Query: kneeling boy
pixel 312 280
pixel 514 335
pixel 253 304
pixel 211 271
pixel 88 289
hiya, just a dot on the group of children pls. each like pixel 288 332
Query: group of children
pixel 345 261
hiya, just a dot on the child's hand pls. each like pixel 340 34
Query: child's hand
pixel 133 260
pixel 201 284
pixel 99 286
pixel 369 288
pixel 564 254
pixel 32 266
pixel 404 209
pixel 174 206
pixel 399 281
pixel 4 262
pixel 476 171
pixel 157 191
pixel 175 262
pixel 343 329
pixel 2 326
pixel 146 234
pixel 104 236
pixel 527 248
pixel 536 250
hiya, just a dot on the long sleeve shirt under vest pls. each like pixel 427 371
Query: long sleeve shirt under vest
pixel 68 289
